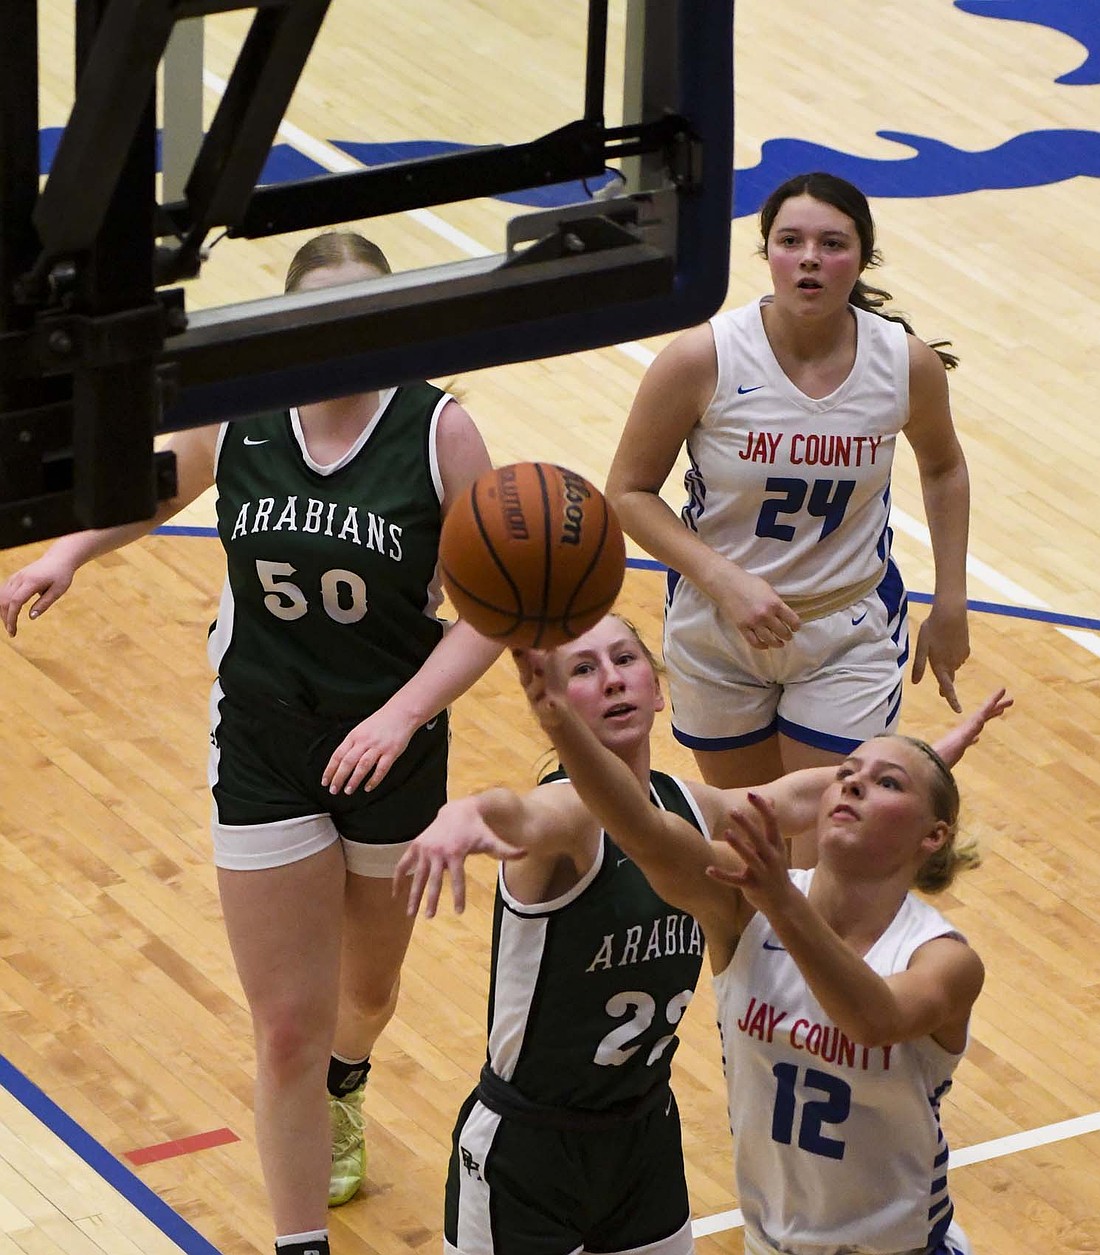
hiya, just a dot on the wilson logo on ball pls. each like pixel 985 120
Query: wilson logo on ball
pixel 577 491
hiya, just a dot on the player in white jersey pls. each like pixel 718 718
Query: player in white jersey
pixel 786 624
pixel 835 1103
pixel 844 1001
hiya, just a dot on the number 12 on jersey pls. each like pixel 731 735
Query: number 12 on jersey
pixel 831 1104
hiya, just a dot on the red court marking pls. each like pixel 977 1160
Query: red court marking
pixel 182 1146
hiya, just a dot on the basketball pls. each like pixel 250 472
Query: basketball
pixel 532 556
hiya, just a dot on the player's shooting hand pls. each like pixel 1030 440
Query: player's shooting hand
pixel 539 679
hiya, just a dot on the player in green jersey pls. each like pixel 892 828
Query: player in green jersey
pixel 329 736
pixel 591 972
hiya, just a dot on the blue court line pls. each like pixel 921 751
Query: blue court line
pixel 984 607
pixel 651 564
pixel 1022 612
pixel 100 1160
pixel 173 529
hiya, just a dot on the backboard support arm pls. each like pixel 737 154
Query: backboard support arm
pixel 97 352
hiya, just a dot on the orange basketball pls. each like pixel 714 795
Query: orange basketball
pixel 532 555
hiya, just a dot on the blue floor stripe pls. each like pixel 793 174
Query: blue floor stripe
pixel 177 529
pixel 651 564
pixel 100 1160
pixel 1024 612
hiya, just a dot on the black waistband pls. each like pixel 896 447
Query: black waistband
pixel 301 712
pixel 505 1100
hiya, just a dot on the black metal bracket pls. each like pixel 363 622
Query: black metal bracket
pixel 96 355
pixel 117 74
pixel 580 150
pixel 591 255
pixel 39 495
pixel 60 342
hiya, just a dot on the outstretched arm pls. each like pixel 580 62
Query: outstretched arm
pixel 503 824
pixel 673 855
pixel 49 577
pixel 954 743
pixel 795 797
pixel 471 825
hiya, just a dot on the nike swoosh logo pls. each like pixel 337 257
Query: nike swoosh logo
pixel 857 622
pixel 770 945
pixel 621 861
pixel 742 390
pixel 249 440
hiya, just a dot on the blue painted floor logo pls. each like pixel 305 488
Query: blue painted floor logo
pixel 936 168
pixel 932 167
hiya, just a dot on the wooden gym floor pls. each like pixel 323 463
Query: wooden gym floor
pixel 122 1027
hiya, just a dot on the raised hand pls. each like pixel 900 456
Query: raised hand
pixel 753 835
pixel 953 744
pixel 536 675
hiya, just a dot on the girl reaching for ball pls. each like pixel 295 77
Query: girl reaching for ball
pixel 596 954
pixel 329 737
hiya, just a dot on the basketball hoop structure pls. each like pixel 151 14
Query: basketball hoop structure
pixel 98 352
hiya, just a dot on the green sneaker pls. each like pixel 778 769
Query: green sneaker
pixel 349 1153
